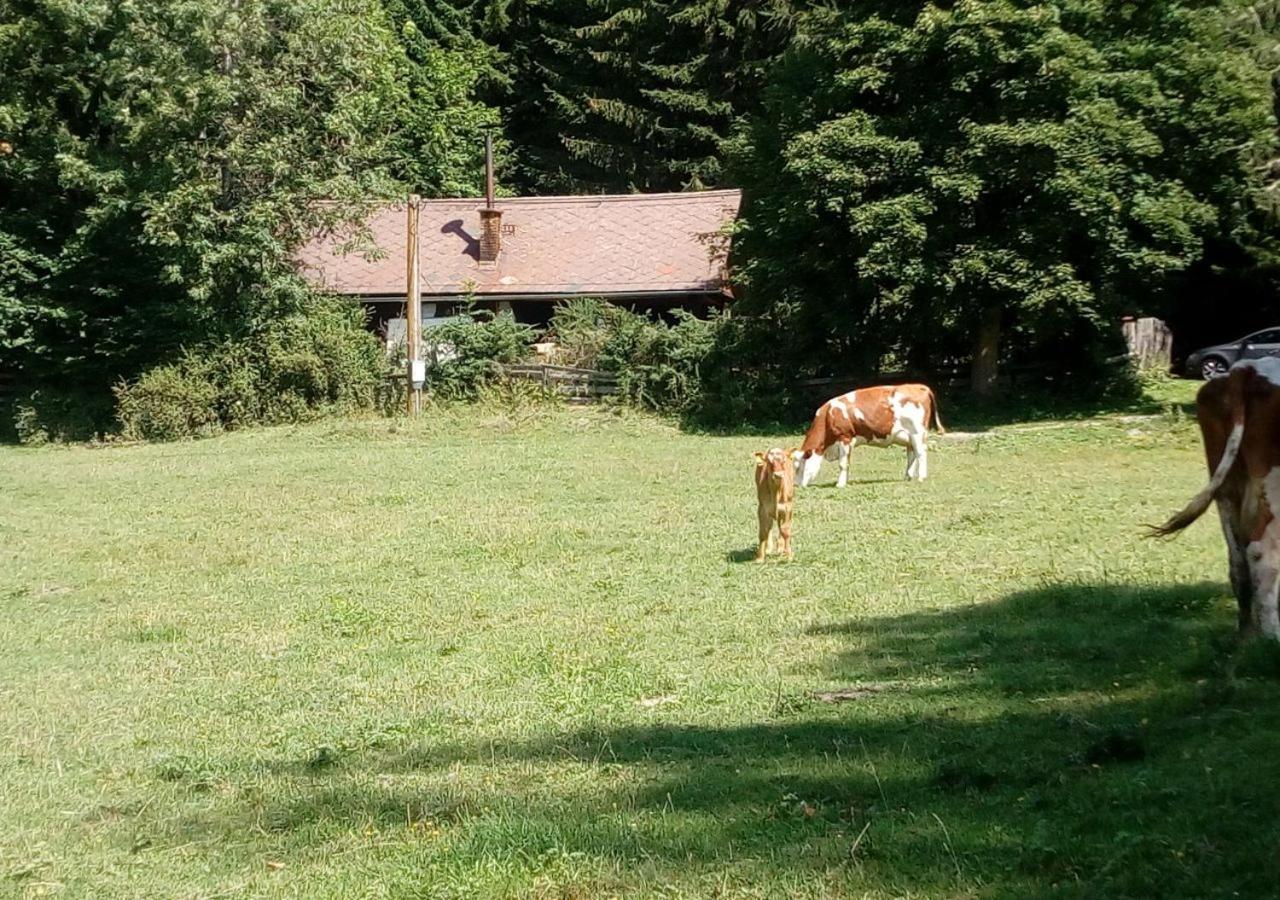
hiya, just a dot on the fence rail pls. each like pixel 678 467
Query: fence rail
pixel 576 383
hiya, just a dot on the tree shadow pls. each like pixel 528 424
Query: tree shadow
pixel 1073 740
pixel 831 486
pixel 1063 400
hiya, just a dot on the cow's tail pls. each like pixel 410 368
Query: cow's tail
pixel 1200 502
pixel 937 419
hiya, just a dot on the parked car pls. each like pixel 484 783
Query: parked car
pixel 1210 362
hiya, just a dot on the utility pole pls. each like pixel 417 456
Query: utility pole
pixel 416 374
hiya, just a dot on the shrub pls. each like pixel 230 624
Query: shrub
pixel 658 365
pixel 168 403
pixel 582 327
pixel 299 367
pixel 45 416
pixel 472 350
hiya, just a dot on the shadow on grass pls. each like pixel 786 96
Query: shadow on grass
pixel 969 413
pixel 1076 740
pixel 963 411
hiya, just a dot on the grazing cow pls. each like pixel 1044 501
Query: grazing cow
pixel 775 494
pixel 879 416
pixel 1239 418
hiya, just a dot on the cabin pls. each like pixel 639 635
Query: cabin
pixel 648 252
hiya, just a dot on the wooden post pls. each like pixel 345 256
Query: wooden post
pixel 1150 342
pixel 413 306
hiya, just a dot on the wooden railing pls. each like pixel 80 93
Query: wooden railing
pixel 573 382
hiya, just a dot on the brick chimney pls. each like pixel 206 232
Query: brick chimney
pixel 490 218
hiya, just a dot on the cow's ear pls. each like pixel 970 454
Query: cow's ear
pixel 796 453
pixel 757 458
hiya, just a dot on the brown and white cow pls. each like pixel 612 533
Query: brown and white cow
pixel 879 416
pixel 775 496
pixel 1239 417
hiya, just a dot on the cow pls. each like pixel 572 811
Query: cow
pixel 775 495
pixel 880 416
pixel 1239 417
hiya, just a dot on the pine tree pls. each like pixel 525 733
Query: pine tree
pixel 623 95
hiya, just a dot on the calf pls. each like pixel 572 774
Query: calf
pixel 775 494
pixel 1239 418
pixel 879 416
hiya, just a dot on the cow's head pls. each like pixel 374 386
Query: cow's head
pixel 773 462
pixel 807 464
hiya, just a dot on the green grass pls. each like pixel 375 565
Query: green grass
pixel 489 655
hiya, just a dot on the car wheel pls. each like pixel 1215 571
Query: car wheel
pixel 1213 367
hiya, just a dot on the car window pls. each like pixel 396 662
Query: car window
pixel 1265 337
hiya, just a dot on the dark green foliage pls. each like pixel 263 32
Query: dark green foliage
pixel 439 133
pixel 52 415
pixel 1047 165
pixel 159 162
pixel 634 95
pixel 472 351
pixel 297 368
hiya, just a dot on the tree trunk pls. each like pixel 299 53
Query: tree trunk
pixel 986 353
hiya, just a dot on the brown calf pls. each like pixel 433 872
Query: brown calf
pixel 775 495
pixel 879 416
pixel 1239 418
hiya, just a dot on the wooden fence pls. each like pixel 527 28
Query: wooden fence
pixel 574 383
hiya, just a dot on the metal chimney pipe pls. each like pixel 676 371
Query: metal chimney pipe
pixel 490 218
pixel 488 170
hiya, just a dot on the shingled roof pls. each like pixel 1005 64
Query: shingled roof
pixel 592 245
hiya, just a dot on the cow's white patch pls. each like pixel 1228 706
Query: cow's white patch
pixel 1268 367
pixel 1264 560
pixel 810 469
pixel 857 414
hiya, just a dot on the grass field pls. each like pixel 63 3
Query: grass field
pixel 501 654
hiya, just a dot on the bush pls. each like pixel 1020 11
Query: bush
pixel 168 403
pixel 297 368
pixel 582 327
pixel 48 416
pixel 472 350
pixel 658 365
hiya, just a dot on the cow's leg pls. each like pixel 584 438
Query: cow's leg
pixel 1241 581
pixel 1264 558
pixel 766 535
pixel 843 450
pixel 920 450
pixel 784 531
